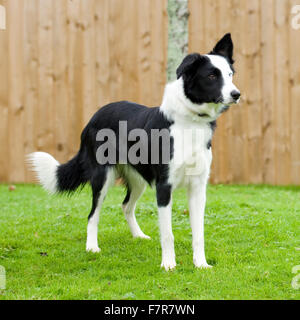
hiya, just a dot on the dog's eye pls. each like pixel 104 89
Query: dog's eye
pixel 231 74
pixel 212 77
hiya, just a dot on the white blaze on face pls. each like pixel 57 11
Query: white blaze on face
pixel 227 74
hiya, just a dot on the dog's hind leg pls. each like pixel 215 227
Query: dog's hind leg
pixel 136 187
pixel 102 179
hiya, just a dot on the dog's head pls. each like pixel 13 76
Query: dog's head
pixel 208 79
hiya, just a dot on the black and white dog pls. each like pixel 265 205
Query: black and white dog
pixel 202 91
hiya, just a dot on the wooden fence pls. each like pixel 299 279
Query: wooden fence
pixel 259 140
pixel 60 60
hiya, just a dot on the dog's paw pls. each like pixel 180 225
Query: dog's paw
pixel 169 265
pixel 94 249
pixel 202 265
pixel 142 236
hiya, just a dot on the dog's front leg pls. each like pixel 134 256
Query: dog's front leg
pixel 197 199
pixel 164 203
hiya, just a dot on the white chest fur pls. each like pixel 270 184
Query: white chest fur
pixel 190 132
pixel 191 155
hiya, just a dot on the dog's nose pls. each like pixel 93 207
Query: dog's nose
pixel 235 95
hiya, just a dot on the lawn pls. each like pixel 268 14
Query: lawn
pixel 251 237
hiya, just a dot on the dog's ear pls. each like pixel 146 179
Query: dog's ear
pixel 189 64
pixel 225 48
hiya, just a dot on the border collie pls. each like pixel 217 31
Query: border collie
pixel 203 90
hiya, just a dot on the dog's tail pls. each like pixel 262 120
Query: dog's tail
pixel 56 177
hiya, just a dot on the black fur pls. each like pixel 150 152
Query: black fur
pixel 84 166
pixel 208 144
pixel 81 168
pixel 196 71
pixel 127 197
pixel 97 182
pixel 213 126
pixel 163 194
pixel 72 174
pixel 224 48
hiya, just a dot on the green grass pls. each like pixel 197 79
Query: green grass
pixel 251 236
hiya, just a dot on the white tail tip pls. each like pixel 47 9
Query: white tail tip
pixel 45 167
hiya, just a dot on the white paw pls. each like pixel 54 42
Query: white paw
pixel 94 249
pixel 142 236
pixel 202 265
pixel 168 264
